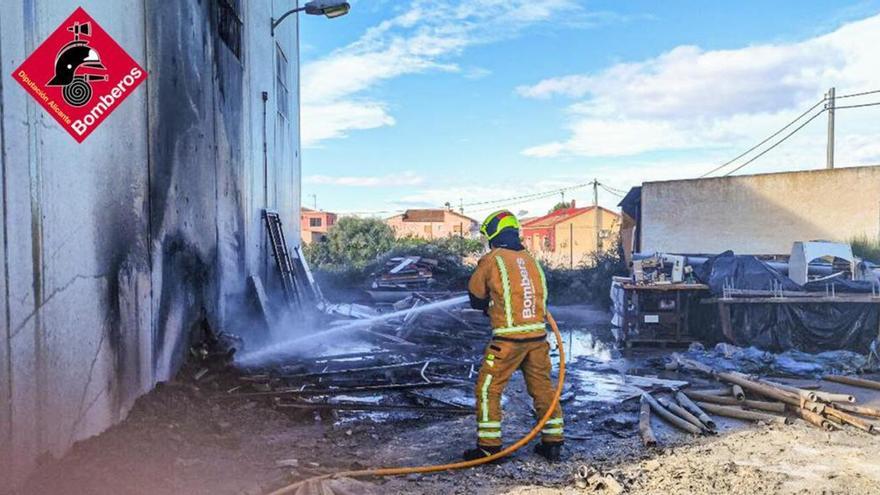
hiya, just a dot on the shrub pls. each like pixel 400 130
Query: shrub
pixel 866 248
pixel 588 282
pixel 351 243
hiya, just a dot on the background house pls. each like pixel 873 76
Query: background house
pixel 314 224
pixel 433 224
pixel 567 237
pixel 115 249
pixel 755 214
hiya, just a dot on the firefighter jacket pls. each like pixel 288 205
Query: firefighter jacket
pixel 515 285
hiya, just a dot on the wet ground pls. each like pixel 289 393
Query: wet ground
pixel 188 437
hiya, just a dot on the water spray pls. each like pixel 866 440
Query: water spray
pixel 295 345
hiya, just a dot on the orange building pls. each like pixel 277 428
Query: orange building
pixel 313 224
pixel 433 224
pixel 568 237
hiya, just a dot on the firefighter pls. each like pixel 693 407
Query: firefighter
pixel 509 285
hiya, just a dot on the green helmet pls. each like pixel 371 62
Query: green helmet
pixel 498 221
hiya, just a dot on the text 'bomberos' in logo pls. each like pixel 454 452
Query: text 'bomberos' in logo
pixel 79 75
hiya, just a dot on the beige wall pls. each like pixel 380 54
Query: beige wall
pixel 577 236
pixel 760 214
pixel 432 230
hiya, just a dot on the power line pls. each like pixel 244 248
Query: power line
pixel 863 93
pixel 615 189
pixel 549 194
pixel 489 208
pixel 753 148
pixel 526 196
pixel 857 106
pixel 607 189
pixel 759 155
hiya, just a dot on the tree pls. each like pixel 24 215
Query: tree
pixel 562 205
pixel 351 243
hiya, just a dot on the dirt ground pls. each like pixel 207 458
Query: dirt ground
pixel 189 437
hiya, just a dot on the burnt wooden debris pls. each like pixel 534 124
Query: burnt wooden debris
pixel 418 363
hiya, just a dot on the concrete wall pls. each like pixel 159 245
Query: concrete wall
pixel 113 249
pixel 760 214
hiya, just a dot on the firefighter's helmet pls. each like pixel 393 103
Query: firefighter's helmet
pixel 498 221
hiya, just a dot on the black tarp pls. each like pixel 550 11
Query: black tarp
pixel 742 272
pixel 840 284
pixel 808 327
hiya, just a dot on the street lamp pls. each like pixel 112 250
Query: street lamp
pixel 329 8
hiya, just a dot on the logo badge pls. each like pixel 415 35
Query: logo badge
pixel 80 75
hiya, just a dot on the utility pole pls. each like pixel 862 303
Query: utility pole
pixel 571 245
pixel 461 206
pixel 597 220
pixel 595 192
pixel 830 107
pixel 563 197
pixel 314 201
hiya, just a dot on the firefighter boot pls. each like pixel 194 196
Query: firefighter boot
pixel 480 452
pixel 550 451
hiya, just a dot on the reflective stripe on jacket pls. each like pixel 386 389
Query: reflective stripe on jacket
pixel 517 288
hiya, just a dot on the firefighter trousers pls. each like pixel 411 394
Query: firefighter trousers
pixel 501 359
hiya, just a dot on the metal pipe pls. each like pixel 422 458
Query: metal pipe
pixel 849 419
pixel 812 395
pixel 695 409
pixel 723 391
pixel 682 413
pixel 669 417
pixel 814 419
pixel 645 429
pixel 861 410
pixel 829 397
pixel 777 407
pixel 733 412
pixel 853 381
pixel 738 393
pixel 760 388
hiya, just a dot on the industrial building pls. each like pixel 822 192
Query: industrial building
pixel 113 249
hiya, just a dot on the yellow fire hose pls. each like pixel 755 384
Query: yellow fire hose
pixel 397 471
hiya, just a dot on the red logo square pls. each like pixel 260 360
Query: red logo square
pixel 79 75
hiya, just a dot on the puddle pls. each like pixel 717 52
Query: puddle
pixel 581 345
pixel 599 386
pixel 596 370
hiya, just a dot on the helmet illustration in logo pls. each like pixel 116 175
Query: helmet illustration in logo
pixel 77 65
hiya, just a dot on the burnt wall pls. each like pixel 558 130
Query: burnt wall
pixel 113 249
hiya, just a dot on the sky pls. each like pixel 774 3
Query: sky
pixel 416 103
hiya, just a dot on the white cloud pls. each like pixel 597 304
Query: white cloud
pixel 690 98
pixel 391 180
pixel 426 36
pixel 335 119
pixel 476 73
